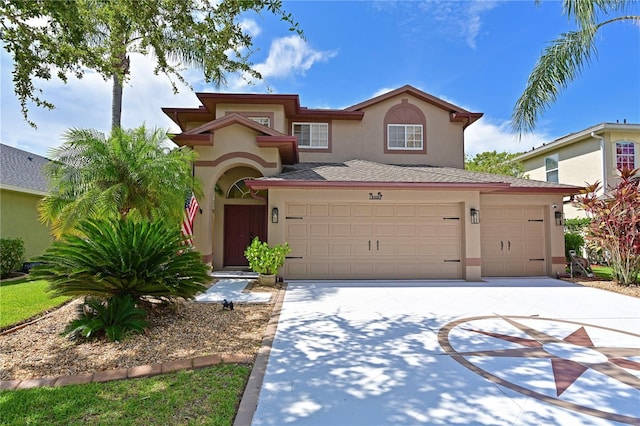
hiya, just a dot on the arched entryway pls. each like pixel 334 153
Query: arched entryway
pixel 242 223
pixel 239 216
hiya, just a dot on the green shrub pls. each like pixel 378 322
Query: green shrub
pixel 573 241
pixel 264 259
pixel 115 317
pixel 11 255
pixel 577 225
pixel 123 256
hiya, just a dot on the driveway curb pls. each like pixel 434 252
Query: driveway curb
pixel 249 401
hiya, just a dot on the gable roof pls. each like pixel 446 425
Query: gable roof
pixel 366 174
pixel 22 171
pixel 204 135
pixel 455 112
pixel 580 136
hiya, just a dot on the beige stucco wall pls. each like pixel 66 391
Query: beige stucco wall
pixel 364 139
pixel 19 219
pixel 234 149
pixel 279 122
pixel 554 238
pixel 577 163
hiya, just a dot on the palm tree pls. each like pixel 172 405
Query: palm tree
pixel 130 173
pixel 563 60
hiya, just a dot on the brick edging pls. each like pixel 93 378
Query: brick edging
pixel 129 373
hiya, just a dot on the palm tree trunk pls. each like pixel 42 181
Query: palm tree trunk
pixel 116 92
pixel 116 102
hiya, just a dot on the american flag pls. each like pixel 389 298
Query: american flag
pixel 190 208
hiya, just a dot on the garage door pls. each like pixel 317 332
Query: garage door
pixel 513 241
pixel 380 241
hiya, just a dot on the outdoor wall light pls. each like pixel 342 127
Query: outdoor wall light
pixel 475 216
pixel 274 215
pixel 559 221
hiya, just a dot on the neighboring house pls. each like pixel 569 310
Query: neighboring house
pixel 376 190
pixel 22 186
pixel 591 155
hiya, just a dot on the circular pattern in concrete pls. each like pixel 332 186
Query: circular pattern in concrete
pixel 578 366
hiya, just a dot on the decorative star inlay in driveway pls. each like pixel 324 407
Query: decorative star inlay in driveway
pixel 496 346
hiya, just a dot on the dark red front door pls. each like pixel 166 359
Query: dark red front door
pixel 241 224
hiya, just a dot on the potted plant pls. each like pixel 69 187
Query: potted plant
pixel 265 260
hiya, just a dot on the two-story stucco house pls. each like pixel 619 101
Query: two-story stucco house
pixel 376 190
pixel 591 155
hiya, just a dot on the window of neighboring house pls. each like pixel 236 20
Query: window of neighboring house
pixel 625 155
pixel 312 135
pixel 551 166
pixel 265 121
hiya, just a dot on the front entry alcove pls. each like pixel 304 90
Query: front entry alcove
pixel 239 217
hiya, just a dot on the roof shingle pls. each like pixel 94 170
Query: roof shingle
pixel 22 169
pixel 360 171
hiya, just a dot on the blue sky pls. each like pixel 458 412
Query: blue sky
pixel 475 54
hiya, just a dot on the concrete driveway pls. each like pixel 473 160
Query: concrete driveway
pixel 533 351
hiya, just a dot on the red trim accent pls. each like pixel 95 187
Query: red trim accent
pixel 542 190
pixel 266 184
pixel 287 146
pixel 230 155
pixel 231 119
pixel 558 260
pixel 191 140
pixel 455 111
pixel 473 261
pixel 207 258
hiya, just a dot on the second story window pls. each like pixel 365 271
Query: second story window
pixel 265 121
pixel 404 136
pixel 625 155
pixel 312 135
pixel 551 167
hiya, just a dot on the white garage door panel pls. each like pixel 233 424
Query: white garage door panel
pixel 359 241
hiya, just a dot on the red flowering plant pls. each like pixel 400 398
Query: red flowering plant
pixel 615 224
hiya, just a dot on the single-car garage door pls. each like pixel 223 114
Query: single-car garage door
pixel 381 241
pixel 513 241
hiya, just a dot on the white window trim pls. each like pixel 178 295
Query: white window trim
pixel 636 154
pixel 557 169
pixel 265 121
pixel 311 125
pixel 405 147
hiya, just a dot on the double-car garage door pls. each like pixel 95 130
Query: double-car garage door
pixel 367 240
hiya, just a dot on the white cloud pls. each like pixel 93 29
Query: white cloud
pixel 86 103
pixel 288 56
pixel 484 135
pixel 459 19
pixel 250 27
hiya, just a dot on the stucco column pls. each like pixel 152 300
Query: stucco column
pixel 472 248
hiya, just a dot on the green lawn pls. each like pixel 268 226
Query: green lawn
pixel 603 272
pixel 205 397
pixel 22 299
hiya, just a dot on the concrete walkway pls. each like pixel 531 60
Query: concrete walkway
pixel 501 352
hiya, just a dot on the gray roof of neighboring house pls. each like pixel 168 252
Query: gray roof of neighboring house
pixel 22 169
pixel 579 136
pixel 364 172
